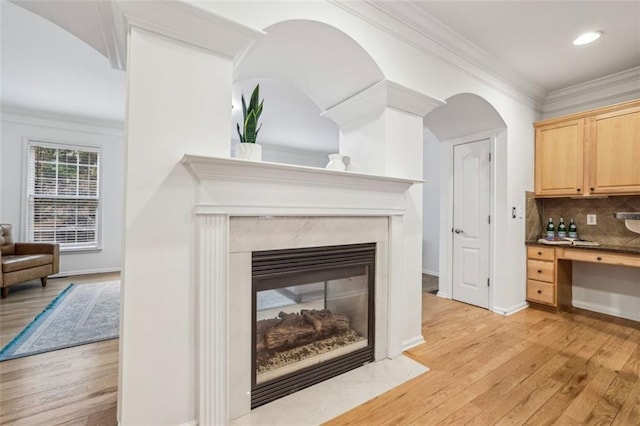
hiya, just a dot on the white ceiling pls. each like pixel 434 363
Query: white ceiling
pixel 535 37
pixel 47 68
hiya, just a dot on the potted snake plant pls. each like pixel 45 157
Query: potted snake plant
pixel 248 149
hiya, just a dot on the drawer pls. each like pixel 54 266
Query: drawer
pixel 541 271
pixel 541 292
pixel 541 253
pixel 602 257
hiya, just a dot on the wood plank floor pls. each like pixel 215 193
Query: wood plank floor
pixel 74 386
pixel 530 368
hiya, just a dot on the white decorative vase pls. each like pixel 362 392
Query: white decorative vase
pixel 249 151
pixel 336 163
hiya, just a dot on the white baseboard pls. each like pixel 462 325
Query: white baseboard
pixel 63 274
pixel 443 295
pixel 413 342
pixel 189 423
pixel 604 310
pixel 510 311
pixel 430 272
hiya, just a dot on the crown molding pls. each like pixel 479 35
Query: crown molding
pixel 412 25
pixel 189 24
pixel 371 101
pixel 611 89
pixel 367 103
pixel 112 27
pixel 405 99
pixel 11 114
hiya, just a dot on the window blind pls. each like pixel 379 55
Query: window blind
pixel 63 195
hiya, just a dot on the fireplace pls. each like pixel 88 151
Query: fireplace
pixel 312 315
pixel 246 207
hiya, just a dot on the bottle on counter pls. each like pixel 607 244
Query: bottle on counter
pixel 551 230
pixel 573 229
pixel 562 229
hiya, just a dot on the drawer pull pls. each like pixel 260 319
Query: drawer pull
pixel 539 291
pixel 598 258
pixel 539 253
pixel 578 189
pixel 539 271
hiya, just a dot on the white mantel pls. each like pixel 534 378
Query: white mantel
pixel 261 188
pixel 228 187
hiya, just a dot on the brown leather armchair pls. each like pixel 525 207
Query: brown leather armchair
pixel 25 261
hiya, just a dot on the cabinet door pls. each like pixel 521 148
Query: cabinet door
pixel 559 159
pixel 614 144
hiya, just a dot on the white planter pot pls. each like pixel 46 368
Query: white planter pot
pixel 249 151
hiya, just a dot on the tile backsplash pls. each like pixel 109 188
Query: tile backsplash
pixel 607 231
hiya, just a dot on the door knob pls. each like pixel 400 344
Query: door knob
pixel 458 231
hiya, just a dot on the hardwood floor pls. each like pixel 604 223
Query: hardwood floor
pixel 531 368
pixel 74 386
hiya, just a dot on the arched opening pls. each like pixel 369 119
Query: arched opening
pixel 303 68
pixel 59 90
pixel 465 118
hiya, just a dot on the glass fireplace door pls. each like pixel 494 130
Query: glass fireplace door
pixel 313 312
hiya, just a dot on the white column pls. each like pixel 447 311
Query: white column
pixel 213 248
pixel 381 130
pixel 179 70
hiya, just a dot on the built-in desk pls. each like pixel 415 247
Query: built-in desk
pixel 549 270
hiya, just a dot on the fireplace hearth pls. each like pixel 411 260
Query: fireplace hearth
pixel 313 316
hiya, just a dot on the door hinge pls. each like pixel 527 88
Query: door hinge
pixel 489 219
pixel 489 156
pixel 488 282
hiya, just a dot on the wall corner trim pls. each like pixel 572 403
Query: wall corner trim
pixel 372 101
pixel 413 342
pixel 511 310
pixel 190 24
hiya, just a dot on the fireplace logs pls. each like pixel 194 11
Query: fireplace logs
pixel 291 330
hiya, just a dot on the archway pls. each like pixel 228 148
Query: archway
pixel 465 118
pixel 303 68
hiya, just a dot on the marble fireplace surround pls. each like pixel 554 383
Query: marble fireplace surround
pixel 243 206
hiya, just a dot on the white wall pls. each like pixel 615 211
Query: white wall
pixel 613 290
pixel 16 127
pixel 193 117
pixel 431 205
pixel 158 377
pixel 409 64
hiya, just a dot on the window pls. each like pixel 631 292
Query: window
pixel 63 195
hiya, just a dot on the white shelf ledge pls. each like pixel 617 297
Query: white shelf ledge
pixel 214 168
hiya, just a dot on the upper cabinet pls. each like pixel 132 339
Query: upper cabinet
pixel 614 147
pixel 592 153
pixel 559 158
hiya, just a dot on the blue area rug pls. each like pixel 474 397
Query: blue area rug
pixel 81 314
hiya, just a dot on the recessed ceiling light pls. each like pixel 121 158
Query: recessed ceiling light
pixel 587 38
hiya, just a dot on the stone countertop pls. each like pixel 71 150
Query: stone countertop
pixel 616 249
pixel 627 215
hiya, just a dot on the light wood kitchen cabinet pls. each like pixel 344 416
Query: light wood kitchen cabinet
pixel 550 271
pixel 615 152
pixel 595 152
pixel 541 287
pixel 559 158
pixel 548 278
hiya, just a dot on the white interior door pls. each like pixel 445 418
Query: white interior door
pixel 471 222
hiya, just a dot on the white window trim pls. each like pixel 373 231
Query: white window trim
pixel 58 144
